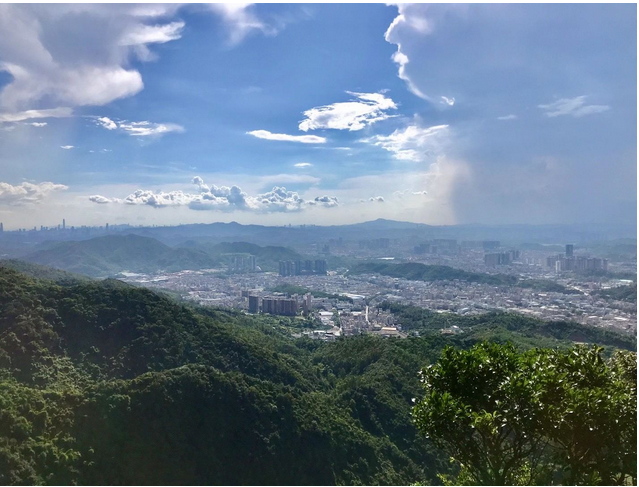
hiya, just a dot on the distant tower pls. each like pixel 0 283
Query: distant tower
pixel 1 227
pixel 64 224
pixel 107 228
pixel 570 250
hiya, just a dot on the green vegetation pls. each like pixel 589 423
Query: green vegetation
pixel 547 286
pixel 620 293
pixel 291 289
pixel 106 383
pixel 58 276
pixel 503 327
pixel 109 255
pixel 533 418
pixel 415 271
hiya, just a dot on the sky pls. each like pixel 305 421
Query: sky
pixel 318 114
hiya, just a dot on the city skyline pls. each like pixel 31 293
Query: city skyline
pixel 325 114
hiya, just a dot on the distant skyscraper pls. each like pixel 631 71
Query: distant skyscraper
pixel 570 250
pixel 107 227
pixel 64 224
pixel 1 227
pixel 254 304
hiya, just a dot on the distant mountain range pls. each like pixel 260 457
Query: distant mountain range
pixel 613 238
pixel 112 254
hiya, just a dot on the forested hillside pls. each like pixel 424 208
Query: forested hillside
pixel 111 254
pixel 104 383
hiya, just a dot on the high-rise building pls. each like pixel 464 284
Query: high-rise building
pixel 1 227
pixel 254 304
pixel 64 224
pixel 320 267
pixel 279 306
pixel 570 250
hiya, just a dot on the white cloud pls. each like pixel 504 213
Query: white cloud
pixel 60 112
pixel 38 124
pixel 106 122
pixel 365 109
pixel 241 20
pixel 101 199
pixel 26 192
pixel 145 128
pixel 303 139
pixel 67 147
pixel 149 34
pixel 448 101
pixel 325 201
pixel 412 143
pixel 77 54
pixel 572 106
pixel 507 117
pixel 376 199
pixel 303 164
pixel 223 198
pixel 405 18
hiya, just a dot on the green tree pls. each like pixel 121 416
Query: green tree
pixel 540 416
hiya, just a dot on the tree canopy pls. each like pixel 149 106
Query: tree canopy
pixel 536 417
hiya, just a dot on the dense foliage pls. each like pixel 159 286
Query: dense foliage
pixel 502 327
pixel 620 293
pixel 415 271
pixel 533 418
pixel 291 289
pixel 105 383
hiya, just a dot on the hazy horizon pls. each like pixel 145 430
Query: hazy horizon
pixel 318 114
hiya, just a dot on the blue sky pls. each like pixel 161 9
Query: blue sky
pixel 442 114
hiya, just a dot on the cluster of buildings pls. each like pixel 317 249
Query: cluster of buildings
pixel 501 258
pixel 242 263
pixel 375 244
pixel 303 268
pixel 570 262
pixel 450 246
pixel 278 305
pixel 371 320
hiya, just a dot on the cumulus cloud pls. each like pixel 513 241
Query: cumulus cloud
pixel 364 109
pixel 67 147
pixel 419 23
pixel 575 107
pixel 38 124
pixel 302 139
pixel 303 164
pixel 78 54
pixel 101 200
pixel 326 201
pixel 376 199
pixel 222 198
pixel 106 122
pixel 412 143
pixel 27 193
